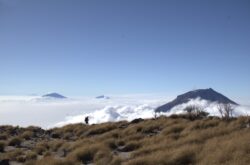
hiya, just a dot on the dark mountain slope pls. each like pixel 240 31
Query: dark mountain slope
pixel 205 94
pixel 54 95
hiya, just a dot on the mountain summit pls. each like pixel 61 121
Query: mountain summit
pixel 54 95
pixel 204 94
pixel 102 97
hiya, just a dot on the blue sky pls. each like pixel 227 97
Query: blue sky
pixel 90 47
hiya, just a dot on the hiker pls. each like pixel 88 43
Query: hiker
pixel 87 120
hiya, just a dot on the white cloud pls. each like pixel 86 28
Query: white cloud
pixel 30 110
pixel 33 110
pixel 210 107
pixel 117 113
pixel 113 113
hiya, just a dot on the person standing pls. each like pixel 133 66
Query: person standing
pixel 87 120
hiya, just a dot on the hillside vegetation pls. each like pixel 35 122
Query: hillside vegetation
pixel 174 140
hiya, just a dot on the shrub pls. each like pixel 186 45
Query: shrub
pixel 3 136
pixel 31 155
pixel 16 141
pixel 195 112
pixel 226 111
pixel 86 153
pixel 47 154
pixel 174 116
pixel 55 144
pixel 21 158
pixel 202 114
pixel 41 147
pixel 190 109
pixel 12 155
pixel 27 135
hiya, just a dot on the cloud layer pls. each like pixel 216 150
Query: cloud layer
pixel 47 113
pixel 33 110
pixel 113 113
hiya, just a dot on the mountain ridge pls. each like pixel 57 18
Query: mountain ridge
pixel 54 95
pixel 102 97
pixel 205 94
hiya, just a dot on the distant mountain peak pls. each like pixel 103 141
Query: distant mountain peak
pixel 204 94
pixel 102 97
pixel 54 95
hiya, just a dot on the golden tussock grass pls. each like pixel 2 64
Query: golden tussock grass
pixel 175 140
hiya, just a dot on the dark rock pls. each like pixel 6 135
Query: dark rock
pixel 55 135
pixel 137 120
pixel 4 162
pixel 61 153
pixel 122 126
pixel 28 144
pixel 205 94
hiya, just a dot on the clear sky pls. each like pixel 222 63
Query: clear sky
pixel 91 47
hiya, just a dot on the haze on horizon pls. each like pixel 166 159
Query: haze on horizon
pixel 120 47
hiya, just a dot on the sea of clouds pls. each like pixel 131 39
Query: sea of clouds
pixel 35 110
pixel 47 113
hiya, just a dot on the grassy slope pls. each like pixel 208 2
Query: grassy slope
pixel 166 140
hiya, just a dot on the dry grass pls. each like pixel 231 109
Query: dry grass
pixel 27 135
pixel 41 147
pixel 3 136
pixel 15 141
pixel 175 140
pixel 2 145
pixel 12 155
pixel 51 161
pixel 30 155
